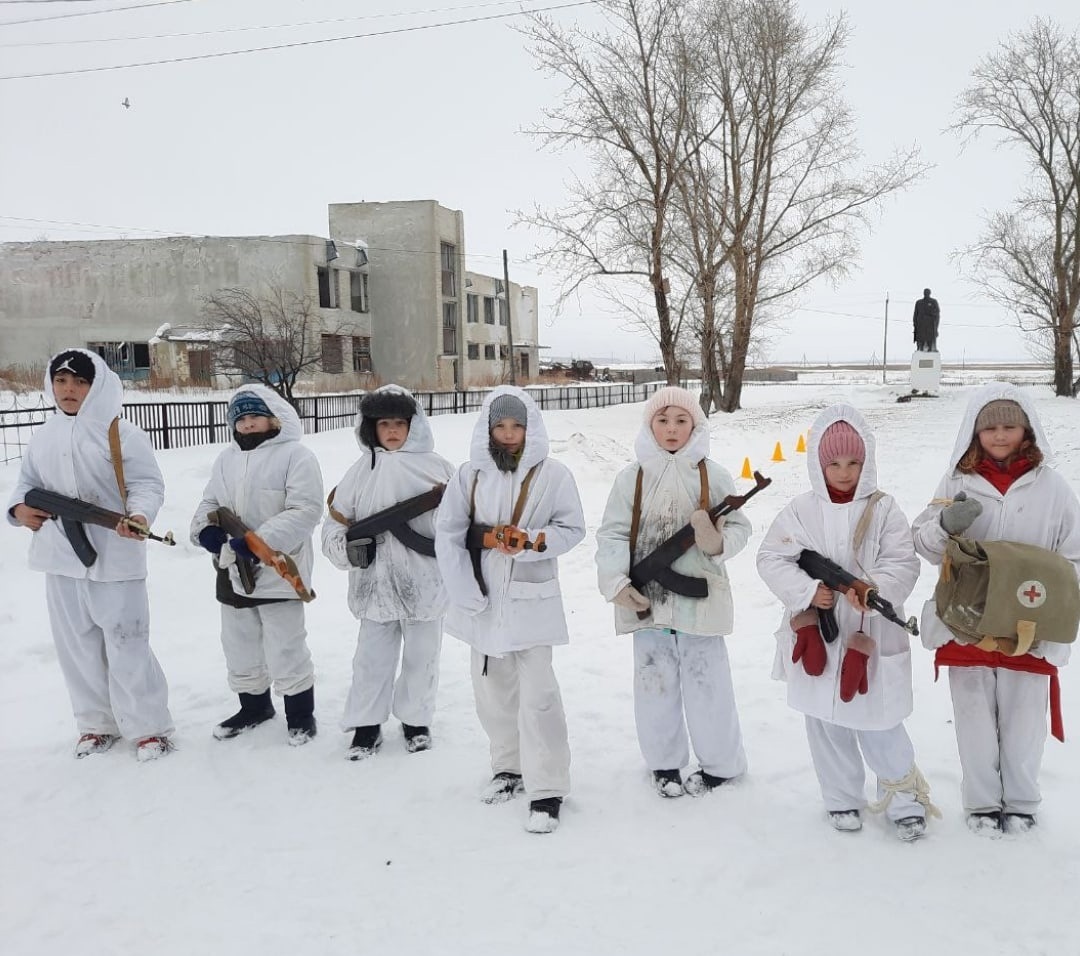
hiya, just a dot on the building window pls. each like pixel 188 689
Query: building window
pixel 448 259
pixel 358 290
pixel 332 355
pixel 327 287
pixel 449 328
pixel 502 352
pixel 504 311
pixel 489 310
pixel 472 309
pixel 130 360
pixel 474 350
pixel 361 353
pixel 489 351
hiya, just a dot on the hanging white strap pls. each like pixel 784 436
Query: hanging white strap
pixel 915 784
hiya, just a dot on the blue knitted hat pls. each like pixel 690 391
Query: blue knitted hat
pixel 247 403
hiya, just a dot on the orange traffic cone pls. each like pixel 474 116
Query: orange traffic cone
pixel 801 446
pixel 746 472
pixel 778 453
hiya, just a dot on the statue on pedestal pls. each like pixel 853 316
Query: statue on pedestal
pixel 926 319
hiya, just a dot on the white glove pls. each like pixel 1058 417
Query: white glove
pixel 631 599
pixel 707 536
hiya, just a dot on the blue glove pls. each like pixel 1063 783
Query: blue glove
pixel 241 550
pixel 212 538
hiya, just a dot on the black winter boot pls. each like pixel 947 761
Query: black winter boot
pixel 300 716
pixel 254 709
pixel 417 738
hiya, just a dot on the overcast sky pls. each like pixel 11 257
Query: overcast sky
pixel 261 143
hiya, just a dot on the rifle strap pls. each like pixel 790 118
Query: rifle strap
pixel 334 513
pixel 519 505
pixel 117 461
pixel 635 511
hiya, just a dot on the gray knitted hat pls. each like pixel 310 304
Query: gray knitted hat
pixel 507 406
pixel 1002 411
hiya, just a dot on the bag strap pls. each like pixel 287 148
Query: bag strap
pixel 117 457
pixel 864 521
pixel 703 475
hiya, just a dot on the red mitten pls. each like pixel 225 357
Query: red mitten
pixel 853 667
pixel 809 645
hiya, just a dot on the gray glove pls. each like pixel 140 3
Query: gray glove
pixel 961 514
pixel 360 552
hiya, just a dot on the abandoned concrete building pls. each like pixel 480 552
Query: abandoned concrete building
pixel 388 288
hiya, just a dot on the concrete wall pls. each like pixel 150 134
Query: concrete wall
pixel 523 317
pixel 404 240
pixel 59 294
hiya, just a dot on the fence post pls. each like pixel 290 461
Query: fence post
pixel 166 442
pixel 210 422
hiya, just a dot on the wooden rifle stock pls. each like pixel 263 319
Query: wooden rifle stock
pixel 282 563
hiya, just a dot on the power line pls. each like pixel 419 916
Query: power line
pixel 298 43
pixel 249 29
pixel 89 13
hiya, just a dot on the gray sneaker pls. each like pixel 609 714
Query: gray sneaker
pixel 909 829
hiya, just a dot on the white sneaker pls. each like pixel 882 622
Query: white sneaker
pixel 910 829
pixel 94 744
pixel 150 748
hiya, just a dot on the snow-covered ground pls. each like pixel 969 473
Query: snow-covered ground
pixel 253 847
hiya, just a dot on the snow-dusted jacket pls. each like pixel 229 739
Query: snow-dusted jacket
pixel 670 492
pixel 70 455
pixel 886 558
pixel 276 489
pixel 1039 508
pixel 401 584
pixel 524 605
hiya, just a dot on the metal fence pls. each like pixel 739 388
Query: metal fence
pixel 185 424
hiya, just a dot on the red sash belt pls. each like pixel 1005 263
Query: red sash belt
pixel 968 655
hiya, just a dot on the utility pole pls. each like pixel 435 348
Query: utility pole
pixel 509 319
pixel 885 346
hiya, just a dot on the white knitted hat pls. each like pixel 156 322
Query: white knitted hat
pixel 679 397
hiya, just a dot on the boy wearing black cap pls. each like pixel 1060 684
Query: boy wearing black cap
pixel 508 606
pixel 100 614
pixel 395 590
pixel 274 485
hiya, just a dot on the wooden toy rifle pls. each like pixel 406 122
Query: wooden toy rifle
pixel 656 565
pixel 282 563
pixel 833 576
pixel 73 513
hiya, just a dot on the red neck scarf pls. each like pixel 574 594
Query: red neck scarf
pixel 840 497
pixel 1002 475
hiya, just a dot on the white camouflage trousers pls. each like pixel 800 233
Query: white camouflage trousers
pixel 266 644
pixel 838 754
pixel 101 630
pixel 374 693
pixel 1000 721
pixel 682 682
pixel 521 710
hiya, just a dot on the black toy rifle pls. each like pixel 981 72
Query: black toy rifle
pixel 73 513
pixel 395 520
pixel 833 576
pixel 656 566
pixel 282 563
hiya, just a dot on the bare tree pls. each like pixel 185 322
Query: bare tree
pixel 794 200
pixel 272 338
pixel 627 107
pixel 1028 259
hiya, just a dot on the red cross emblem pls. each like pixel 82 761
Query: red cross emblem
pixel 1031 594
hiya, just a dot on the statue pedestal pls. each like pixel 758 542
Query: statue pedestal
pixel 925 373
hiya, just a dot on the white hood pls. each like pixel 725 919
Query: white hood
pixel 536 436
pixel 841 413
pixel 997 391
